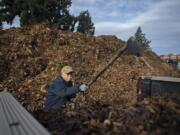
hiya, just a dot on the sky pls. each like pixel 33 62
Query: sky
pixel 159 20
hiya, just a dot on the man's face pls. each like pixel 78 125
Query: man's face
pixel 67 76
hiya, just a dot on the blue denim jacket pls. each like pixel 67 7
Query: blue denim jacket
pixel 59 92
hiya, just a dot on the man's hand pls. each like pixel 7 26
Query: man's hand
pixel 83 87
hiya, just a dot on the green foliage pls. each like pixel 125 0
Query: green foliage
pixel 85 24
pixel 141 38
pixel 52 12
pixel 170 54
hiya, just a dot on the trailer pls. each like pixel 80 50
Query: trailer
pixel 148 86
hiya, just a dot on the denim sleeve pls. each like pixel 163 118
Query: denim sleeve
pixel 62 90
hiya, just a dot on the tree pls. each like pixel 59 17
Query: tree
pixel 141 38
pixel 85 25
pixel 170 54
pixel 53 12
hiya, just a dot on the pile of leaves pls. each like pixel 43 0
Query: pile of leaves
pixel 31 58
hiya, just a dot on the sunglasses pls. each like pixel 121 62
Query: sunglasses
pixel 71 73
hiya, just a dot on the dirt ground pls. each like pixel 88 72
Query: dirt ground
pixel 31 57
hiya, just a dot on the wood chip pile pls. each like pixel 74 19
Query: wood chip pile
pixel 31 57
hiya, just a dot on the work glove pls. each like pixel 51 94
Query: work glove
pixel 83 87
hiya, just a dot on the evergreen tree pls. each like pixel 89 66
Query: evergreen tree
pixel 85 25
pixel 170 54
pixel 53 12
pixel 141 38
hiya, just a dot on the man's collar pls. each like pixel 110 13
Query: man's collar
pixel 63 79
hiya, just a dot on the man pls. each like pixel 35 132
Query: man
pixel 62 89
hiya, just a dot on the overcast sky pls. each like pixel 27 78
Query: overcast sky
pixel 159 20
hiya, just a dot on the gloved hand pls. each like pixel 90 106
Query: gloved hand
pixel 83 87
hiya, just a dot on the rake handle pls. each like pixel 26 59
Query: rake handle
pixel 118 53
